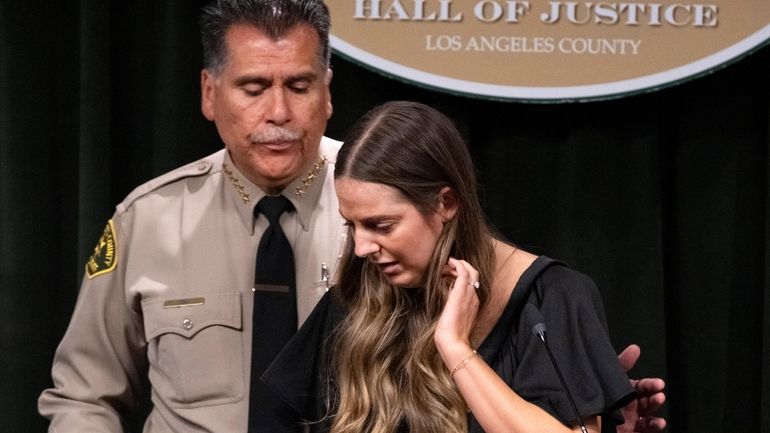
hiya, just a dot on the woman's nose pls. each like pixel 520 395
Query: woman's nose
pixel 364 247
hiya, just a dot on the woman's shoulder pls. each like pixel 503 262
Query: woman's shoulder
pixel 562 288
pixel 557 275
pixel 518 267
pixel 542 276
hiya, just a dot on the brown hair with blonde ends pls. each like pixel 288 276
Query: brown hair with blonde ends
pixel 386 371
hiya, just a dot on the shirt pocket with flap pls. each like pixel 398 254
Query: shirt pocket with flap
pixel 195 348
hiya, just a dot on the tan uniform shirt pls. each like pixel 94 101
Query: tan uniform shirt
pixel 169 289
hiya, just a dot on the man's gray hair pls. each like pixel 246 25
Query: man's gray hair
pixel 273 17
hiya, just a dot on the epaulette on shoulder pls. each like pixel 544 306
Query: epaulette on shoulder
pixel 197 168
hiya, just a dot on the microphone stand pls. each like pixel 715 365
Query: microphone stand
pixel 539 330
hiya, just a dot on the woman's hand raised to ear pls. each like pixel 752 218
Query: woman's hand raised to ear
pixel 453 330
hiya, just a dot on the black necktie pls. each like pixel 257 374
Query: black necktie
pixel 274 318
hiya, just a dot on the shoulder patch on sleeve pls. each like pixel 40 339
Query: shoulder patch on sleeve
pixel 105 255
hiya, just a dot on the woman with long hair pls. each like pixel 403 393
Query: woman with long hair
pixel 429 328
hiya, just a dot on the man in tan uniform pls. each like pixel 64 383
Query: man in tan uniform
pixel 168 290
pixel 169 287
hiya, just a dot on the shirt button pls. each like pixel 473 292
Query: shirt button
pixel 202 166
pixel 187 324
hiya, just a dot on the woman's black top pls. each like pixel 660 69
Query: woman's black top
pixel 566 301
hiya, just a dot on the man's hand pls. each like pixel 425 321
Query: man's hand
pixel 639 415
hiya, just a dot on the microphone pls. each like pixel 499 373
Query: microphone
pixel 535 317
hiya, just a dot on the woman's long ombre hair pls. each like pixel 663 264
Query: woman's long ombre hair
pixel 386 371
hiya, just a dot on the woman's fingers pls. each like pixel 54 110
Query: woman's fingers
pixel 465 274
pixel 454 327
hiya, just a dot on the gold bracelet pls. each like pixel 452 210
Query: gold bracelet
pixel 463 363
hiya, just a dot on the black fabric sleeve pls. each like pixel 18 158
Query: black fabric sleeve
pixel 577 336
pixel 298 374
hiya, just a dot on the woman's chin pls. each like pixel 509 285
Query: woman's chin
pixel 405 281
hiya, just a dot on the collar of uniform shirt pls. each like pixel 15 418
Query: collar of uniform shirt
pixel 303 192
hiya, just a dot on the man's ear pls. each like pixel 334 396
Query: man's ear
pixel 448 204
pixel 327 82
pixel 208 94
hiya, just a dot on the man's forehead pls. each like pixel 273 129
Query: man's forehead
pixel 248 45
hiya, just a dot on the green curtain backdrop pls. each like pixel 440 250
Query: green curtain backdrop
pixel 661 197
